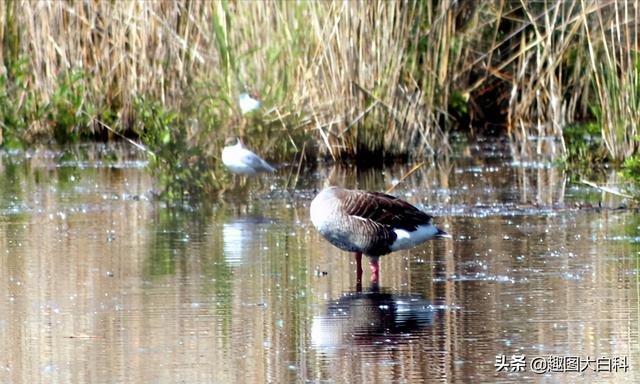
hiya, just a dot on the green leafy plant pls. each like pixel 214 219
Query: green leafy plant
pixel 69 110
pixel 20 107
pixel 183 170
pixel 632 169
pixel 584 143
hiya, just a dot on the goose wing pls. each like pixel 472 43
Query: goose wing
pixel 372 238
pixel 385 210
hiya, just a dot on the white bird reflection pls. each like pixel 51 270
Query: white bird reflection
pixel 241 237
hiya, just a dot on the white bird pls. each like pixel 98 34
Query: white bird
pixel 239 159
pixel 248 103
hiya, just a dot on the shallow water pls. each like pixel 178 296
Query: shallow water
pixel 103 285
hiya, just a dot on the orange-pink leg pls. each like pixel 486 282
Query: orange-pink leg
pixel 358 258
pixel 375 268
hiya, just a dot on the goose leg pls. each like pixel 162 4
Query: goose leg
pixel 358 258
pixel 375 268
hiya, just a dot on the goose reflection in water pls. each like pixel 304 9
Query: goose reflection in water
pixel 373 317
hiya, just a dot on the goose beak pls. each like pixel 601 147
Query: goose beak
pixel 444 234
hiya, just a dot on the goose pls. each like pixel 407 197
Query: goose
pixel 239 159
pixel 370 223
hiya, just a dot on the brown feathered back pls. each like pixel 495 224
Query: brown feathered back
pixel 383 209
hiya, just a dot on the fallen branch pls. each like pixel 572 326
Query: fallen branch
pixel 132 142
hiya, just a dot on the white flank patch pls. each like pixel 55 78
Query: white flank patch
pixel 408 239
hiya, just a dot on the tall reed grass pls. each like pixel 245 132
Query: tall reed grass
pixel 572 61
pixel 339 79
pixel 344 73
pixel 614 61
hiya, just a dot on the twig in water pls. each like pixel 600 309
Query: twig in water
pixel 404 177
pixel 295 183
pixel 605 189
pixel 120 135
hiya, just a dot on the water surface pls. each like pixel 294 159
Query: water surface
pixel 102 284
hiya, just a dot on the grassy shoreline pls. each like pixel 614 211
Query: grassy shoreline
pixel 339 80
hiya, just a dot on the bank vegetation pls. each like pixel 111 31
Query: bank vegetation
pixel 374 80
